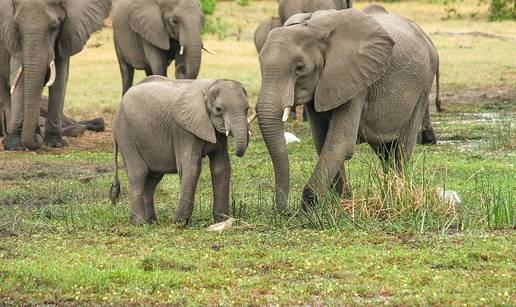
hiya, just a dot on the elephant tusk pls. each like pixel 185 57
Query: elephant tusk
pixel 52 78
pixel 16 79
pixel 252 118
pixel 249 132
pixel 286 114
pixel 181 50
pixel 208 50
pixel 227 132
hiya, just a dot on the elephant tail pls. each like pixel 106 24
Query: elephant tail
pixel 437 92
pixel 114 191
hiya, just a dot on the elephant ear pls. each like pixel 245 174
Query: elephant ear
pixel 190 110
pixel 358 51
pixel 297 19
pixel 145 19
pixel 83 17
pixel 7 30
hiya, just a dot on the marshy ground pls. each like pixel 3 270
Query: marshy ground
pixel 394 242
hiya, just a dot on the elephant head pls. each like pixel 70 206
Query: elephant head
pixel 219 105
pixel 159 21
pixel 226 102
pixel 325 58
pixel 38 32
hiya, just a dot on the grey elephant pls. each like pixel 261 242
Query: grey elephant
pixel 288 8
pixel 360 77
pixel 70 127
pixel 40 37
pixel 168 126
pixel 427 133
pixel 150 34
pixel 263 29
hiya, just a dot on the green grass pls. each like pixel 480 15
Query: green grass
pixel 394 242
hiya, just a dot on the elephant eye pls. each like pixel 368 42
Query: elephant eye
pixel 54 26
pixel 174 21
pixel 218 110
pixel 300 67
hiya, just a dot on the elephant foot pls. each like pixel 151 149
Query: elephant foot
pixel 309 199
pixel 54 140
pixel 181 221
pixel 13 143
pixel 96 125
pixel 428 136
pixel 138 220
pixel 73 131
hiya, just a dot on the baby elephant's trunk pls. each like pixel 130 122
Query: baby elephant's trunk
pixel 240 135
pixel 114 191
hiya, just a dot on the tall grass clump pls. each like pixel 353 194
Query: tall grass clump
pixel 384 200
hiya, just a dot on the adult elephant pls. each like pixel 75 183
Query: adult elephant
pixel 358 75
pixel 288 8
pixel 427 133
pixel 69 126
pixel 150 34
pixel 263 29
pixel 41 36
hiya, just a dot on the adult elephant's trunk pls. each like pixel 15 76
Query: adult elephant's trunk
pixel 270 108
pixel 35 66
pixel 240 129
pixel 191 41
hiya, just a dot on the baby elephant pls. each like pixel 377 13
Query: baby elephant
pixel 168 126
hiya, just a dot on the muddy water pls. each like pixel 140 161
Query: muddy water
pixel 479 136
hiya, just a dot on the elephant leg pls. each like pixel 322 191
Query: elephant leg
pixel 126 70
pixel 319 125
pixel 190 169
pixel 5 106
pixel 220 177
pixel 156 60
pixel 53 134
pixel 408 134
pixel 339 146
pixel 137 173
pixel 152 181
pixel 137 180
pixel 427 133
pixel 386 153
pixel 13 139
pixel 96 125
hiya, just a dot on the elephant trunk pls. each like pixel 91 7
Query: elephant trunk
pixel 35 67
pixel 191 41
pixel 270 109
pixel 239 129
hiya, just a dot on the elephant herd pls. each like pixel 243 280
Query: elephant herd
pixel 361 76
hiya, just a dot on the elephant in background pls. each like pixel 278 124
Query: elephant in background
pixel 69 126
pixel 150 34
pixel 263 29
pixel 288 8
pixel 378 95
pixel 41 36
pixel 168 126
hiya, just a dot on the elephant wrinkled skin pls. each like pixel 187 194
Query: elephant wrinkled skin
pixel 358 76
pixel 168 126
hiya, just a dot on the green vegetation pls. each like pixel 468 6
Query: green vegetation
pixel 394 242
pixel 502 10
